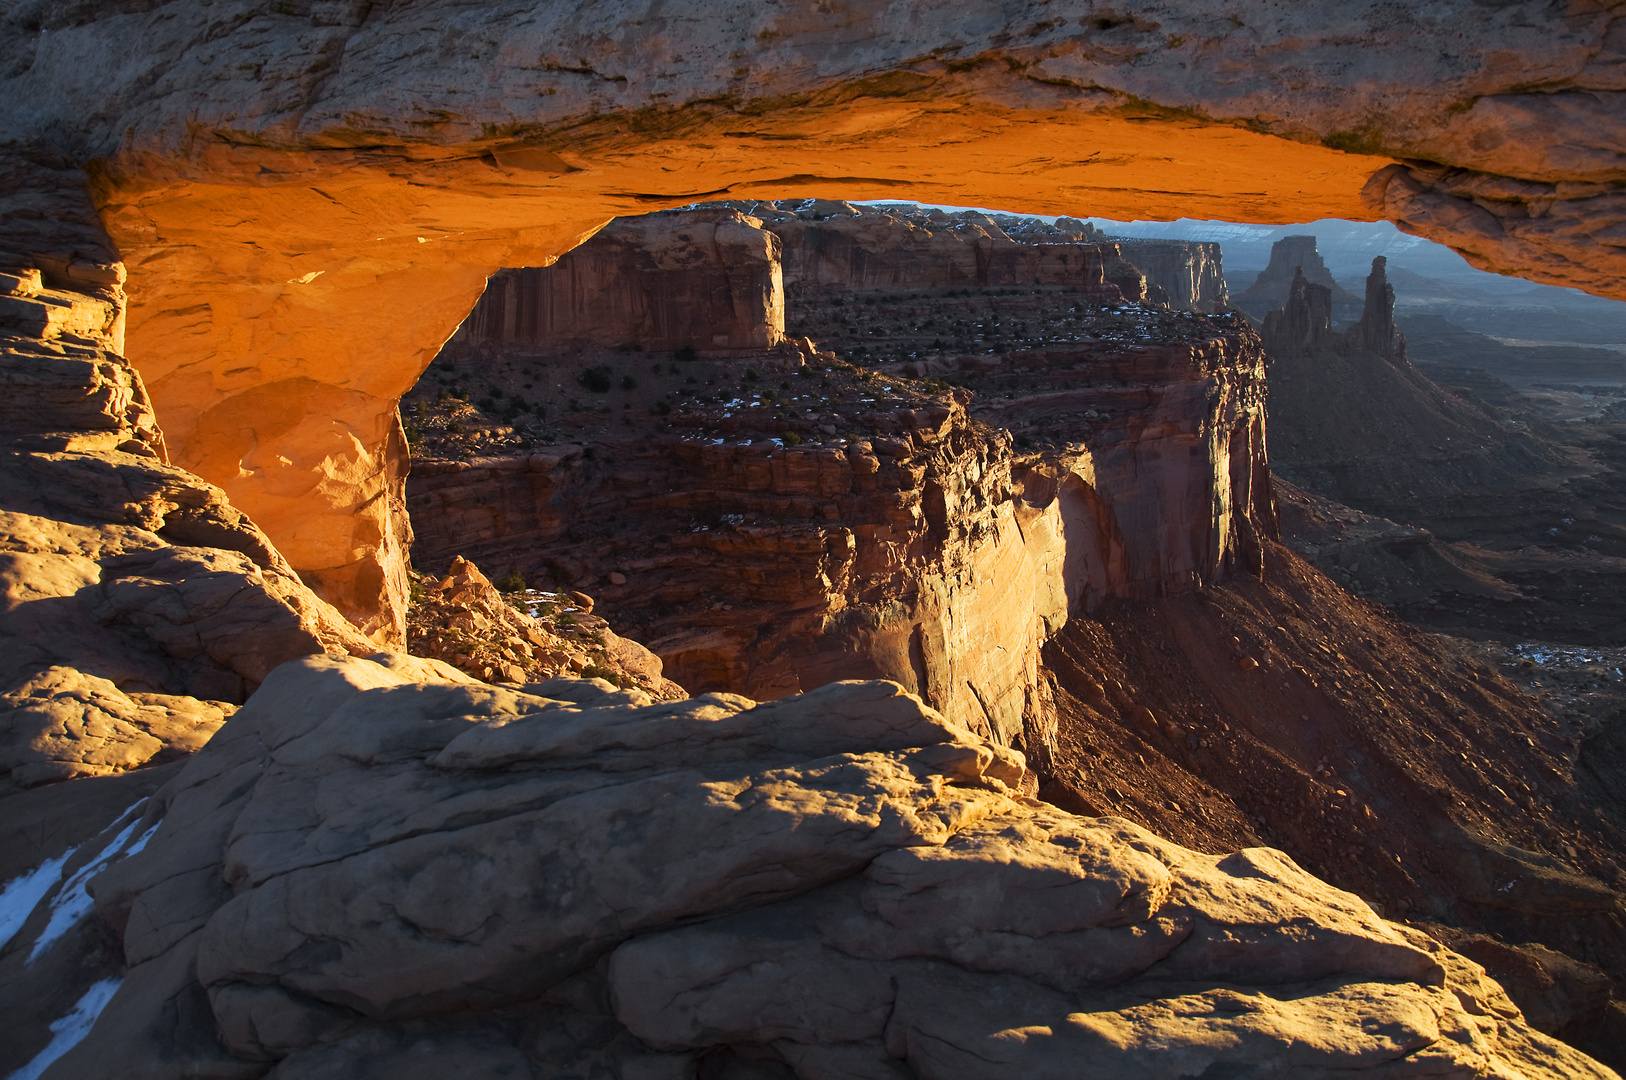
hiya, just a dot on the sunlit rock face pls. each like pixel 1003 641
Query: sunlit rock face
pixel 311 195
pixel 706 279
pixel 835 245
pixel 1190 274
pixel 366 877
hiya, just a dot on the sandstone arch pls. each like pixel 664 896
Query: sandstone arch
pixel 309 195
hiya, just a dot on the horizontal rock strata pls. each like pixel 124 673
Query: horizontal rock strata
pixel 281 178
pixel 937 554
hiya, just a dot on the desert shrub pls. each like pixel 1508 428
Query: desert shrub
pixel 792 439
pixel 597 379
pixel 684 354
pixel 514 581
pixel 599 671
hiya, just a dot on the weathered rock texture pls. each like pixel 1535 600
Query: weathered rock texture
pixel 701 279
pixel 841 246
pixel 1292 257
pixel 463 620
pixel 931 551
pixel 1355 421
pixel 301 182
pixel 1186 274
pixel 361 876
pixel 137 605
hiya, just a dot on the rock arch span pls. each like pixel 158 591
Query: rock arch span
pixel 310 195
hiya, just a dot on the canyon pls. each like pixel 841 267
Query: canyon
pixel 270 229
pixel 890 531
pixel 1204 693
pixel 248 835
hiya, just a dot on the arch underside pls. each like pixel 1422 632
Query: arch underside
pixel 295 264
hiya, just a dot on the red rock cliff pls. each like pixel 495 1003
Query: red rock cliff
pixel 707 279
pixel 931 550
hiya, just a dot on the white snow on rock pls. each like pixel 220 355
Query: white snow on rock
pixel 69 1031
pixel 72 902
pixel 22 893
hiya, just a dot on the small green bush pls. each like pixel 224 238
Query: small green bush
pixel 597 379
pixel 514 581
pixel 686 353
pixel 599 671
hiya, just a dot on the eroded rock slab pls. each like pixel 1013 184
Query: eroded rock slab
pixel 371 877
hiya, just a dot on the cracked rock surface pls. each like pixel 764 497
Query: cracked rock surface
pixel 366 876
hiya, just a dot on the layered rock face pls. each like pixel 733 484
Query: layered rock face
pixel 278 177
pixel 840 246
pixel 1186 274
pixel 354 879
pixel 138 607
pixel 1293 257
pixel 931 551
pixel 697 279
pixel 1354 421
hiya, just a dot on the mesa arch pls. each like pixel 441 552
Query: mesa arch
pixel 309 195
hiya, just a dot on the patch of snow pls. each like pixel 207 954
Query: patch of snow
pixel 71 1030
pixel 22 893
pixel 73 901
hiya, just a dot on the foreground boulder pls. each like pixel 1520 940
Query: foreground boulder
pixel 364 876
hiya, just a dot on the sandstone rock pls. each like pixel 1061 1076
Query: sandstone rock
pixel 697 279
pixel 62 723
pixel 415 214
pixel 464 624
pixel 1292 257
pixel 902 246
pixel 934 551
pixel 1556 994
pixel 1354 421
pixel 354 879
pixel 1190 273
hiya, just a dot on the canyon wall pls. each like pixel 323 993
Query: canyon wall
pixel 934 553
pixel 839 245
pixel 311 196
pixel 1189 273
pixel 698 279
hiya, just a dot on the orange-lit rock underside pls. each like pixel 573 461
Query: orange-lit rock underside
pixel 278 313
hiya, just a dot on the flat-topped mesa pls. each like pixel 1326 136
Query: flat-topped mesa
pixel 1183 274
pixel 839 245
pixel 771 534
pixel 1290 257
pixel 702 279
